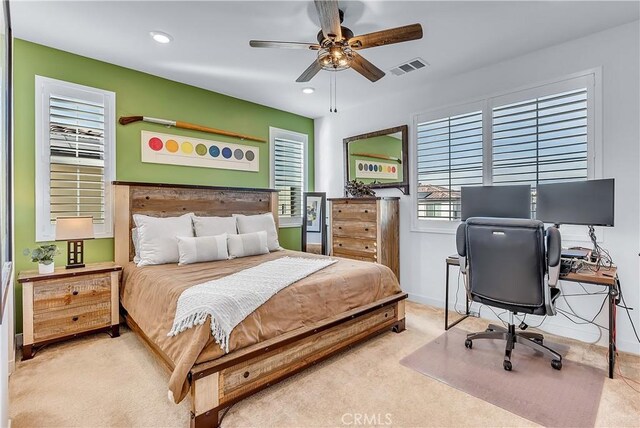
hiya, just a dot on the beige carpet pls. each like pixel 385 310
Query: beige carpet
pixel 98 381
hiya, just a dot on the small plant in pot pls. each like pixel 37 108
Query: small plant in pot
pixel 43 255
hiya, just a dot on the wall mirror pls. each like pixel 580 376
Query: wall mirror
pixel 379 158
pixel 314 223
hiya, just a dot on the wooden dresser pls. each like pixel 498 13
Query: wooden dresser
pixel 367 229
pixel 67 303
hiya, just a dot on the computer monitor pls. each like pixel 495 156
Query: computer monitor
pixel 588 203
pixel 496 201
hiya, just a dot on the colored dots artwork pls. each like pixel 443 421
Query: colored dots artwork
pixel 381 170
pixel 177 150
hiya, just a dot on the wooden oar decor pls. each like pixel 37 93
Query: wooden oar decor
pixel 377 156
pixel 125 120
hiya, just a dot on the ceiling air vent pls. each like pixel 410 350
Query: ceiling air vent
pixel 409 66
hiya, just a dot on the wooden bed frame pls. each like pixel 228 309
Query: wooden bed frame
pixel 219 383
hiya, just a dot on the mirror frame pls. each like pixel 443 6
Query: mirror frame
pixel 403 185
pixel 323 221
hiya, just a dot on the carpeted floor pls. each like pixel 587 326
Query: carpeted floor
pixel 97 381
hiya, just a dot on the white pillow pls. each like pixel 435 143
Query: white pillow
pixel 136 248
pixel 256 223
pixel 158 237
pixel 247 244
pixel 202 249
pixel 214 226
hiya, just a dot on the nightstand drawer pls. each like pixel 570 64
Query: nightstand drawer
pixel 64 322
pixel 71 292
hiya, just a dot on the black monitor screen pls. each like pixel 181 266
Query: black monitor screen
pixel 579 202
pixel 496 201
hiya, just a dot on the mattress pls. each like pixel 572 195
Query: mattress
pixel 149 294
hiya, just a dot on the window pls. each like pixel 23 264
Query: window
pixel 539 135
pixel 289 173
pixel 449 156
pixel 75 155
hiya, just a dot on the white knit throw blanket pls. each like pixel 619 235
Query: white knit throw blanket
pixel 231 299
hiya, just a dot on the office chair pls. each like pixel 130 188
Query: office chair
pixel 505 262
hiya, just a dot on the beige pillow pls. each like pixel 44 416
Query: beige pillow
pixel 214 226
pixel 247 244
pixel 257 223
pixel 202 249
pixel 158 237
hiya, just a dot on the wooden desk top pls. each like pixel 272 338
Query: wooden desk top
pixel 62 272
pixel 604 276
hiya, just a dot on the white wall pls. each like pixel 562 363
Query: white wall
pixel 616 51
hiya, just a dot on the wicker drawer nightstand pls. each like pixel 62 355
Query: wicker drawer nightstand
pixel 68 303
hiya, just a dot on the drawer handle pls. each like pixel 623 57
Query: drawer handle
pixel 339 227
pixel 366 229
pixel 339 211
pixel 246 375
pixel 74 319
pixel 366 247
pixel 75 292
pixel 339 245
pixel 366 211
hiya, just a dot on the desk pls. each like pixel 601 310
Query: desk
pixel 609 278
pixel 604 276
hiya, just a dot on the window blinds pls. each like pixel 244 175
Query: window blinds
pixel 449 156
pixel 541 140
pixel 77 158
pixel 289 176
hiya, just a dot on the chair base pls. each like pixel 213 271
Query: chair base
pixel 531 340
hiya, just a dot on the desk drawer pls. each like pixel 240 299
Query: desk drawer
pixel 359 229
pixel 67 321
pixel 71 292
pixel 357 211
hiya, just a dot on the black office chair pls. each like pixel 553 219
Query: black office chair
pixel 505 262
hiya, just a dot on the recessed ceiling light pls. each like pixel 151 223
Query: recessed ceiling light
pixel 161 37
pixel 308 90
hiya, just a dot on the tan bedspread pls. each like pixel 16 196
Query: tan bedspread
pixel 150 294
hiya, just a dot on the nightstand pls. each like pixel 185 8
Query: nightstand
pixel 68 303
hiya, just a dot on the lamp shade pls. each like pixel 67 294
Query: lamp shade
pixel 74 228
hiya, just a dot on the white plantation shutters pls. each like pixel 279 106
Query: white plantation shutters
pixel 541 140
pixel 449 156
pixel 75 150
pixel 289 174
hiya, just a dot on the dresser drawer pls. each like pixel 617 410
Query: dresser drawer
pixel 359 211
pixel 361 229
pixel 63 322
pixel 354 255
pixel 71 292
pixel 366 247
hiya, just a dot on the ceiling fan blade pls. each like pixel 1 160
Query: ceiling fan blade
pixel 283 45
pixel 311 71
pixel 387 37
pixel 364 67
pixel 329 18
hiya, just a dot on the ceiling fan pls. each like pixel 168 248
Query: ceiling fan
pixel 337 45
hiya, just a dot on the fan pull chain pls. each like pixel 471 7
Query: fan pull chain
pixel 332 93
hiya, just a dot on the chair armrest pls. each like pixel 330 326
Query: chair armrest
pixel 554 252
pixel 461 246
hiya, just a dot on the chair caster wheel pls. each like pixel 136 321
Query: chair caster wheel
pixel 468 344
pixel 507 365
pixel 539 341
pixel 556 364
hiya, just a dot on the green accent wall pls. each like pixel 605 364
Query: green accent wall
pixel 382 145
pixel 137 93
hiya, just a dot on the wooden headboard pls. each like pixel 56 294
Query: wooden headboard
pixel 170 200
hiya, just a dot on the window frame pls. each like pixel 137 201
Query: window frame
pixel 278 133
pixel 44 86
pixel 591 79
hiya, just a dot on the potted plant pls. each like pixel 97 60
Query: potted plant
pixel 44 255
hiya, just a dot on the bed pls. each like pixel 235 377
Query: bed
pixel 308 321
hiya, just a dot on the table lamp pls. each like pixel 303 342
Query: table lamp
pixel 74 230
